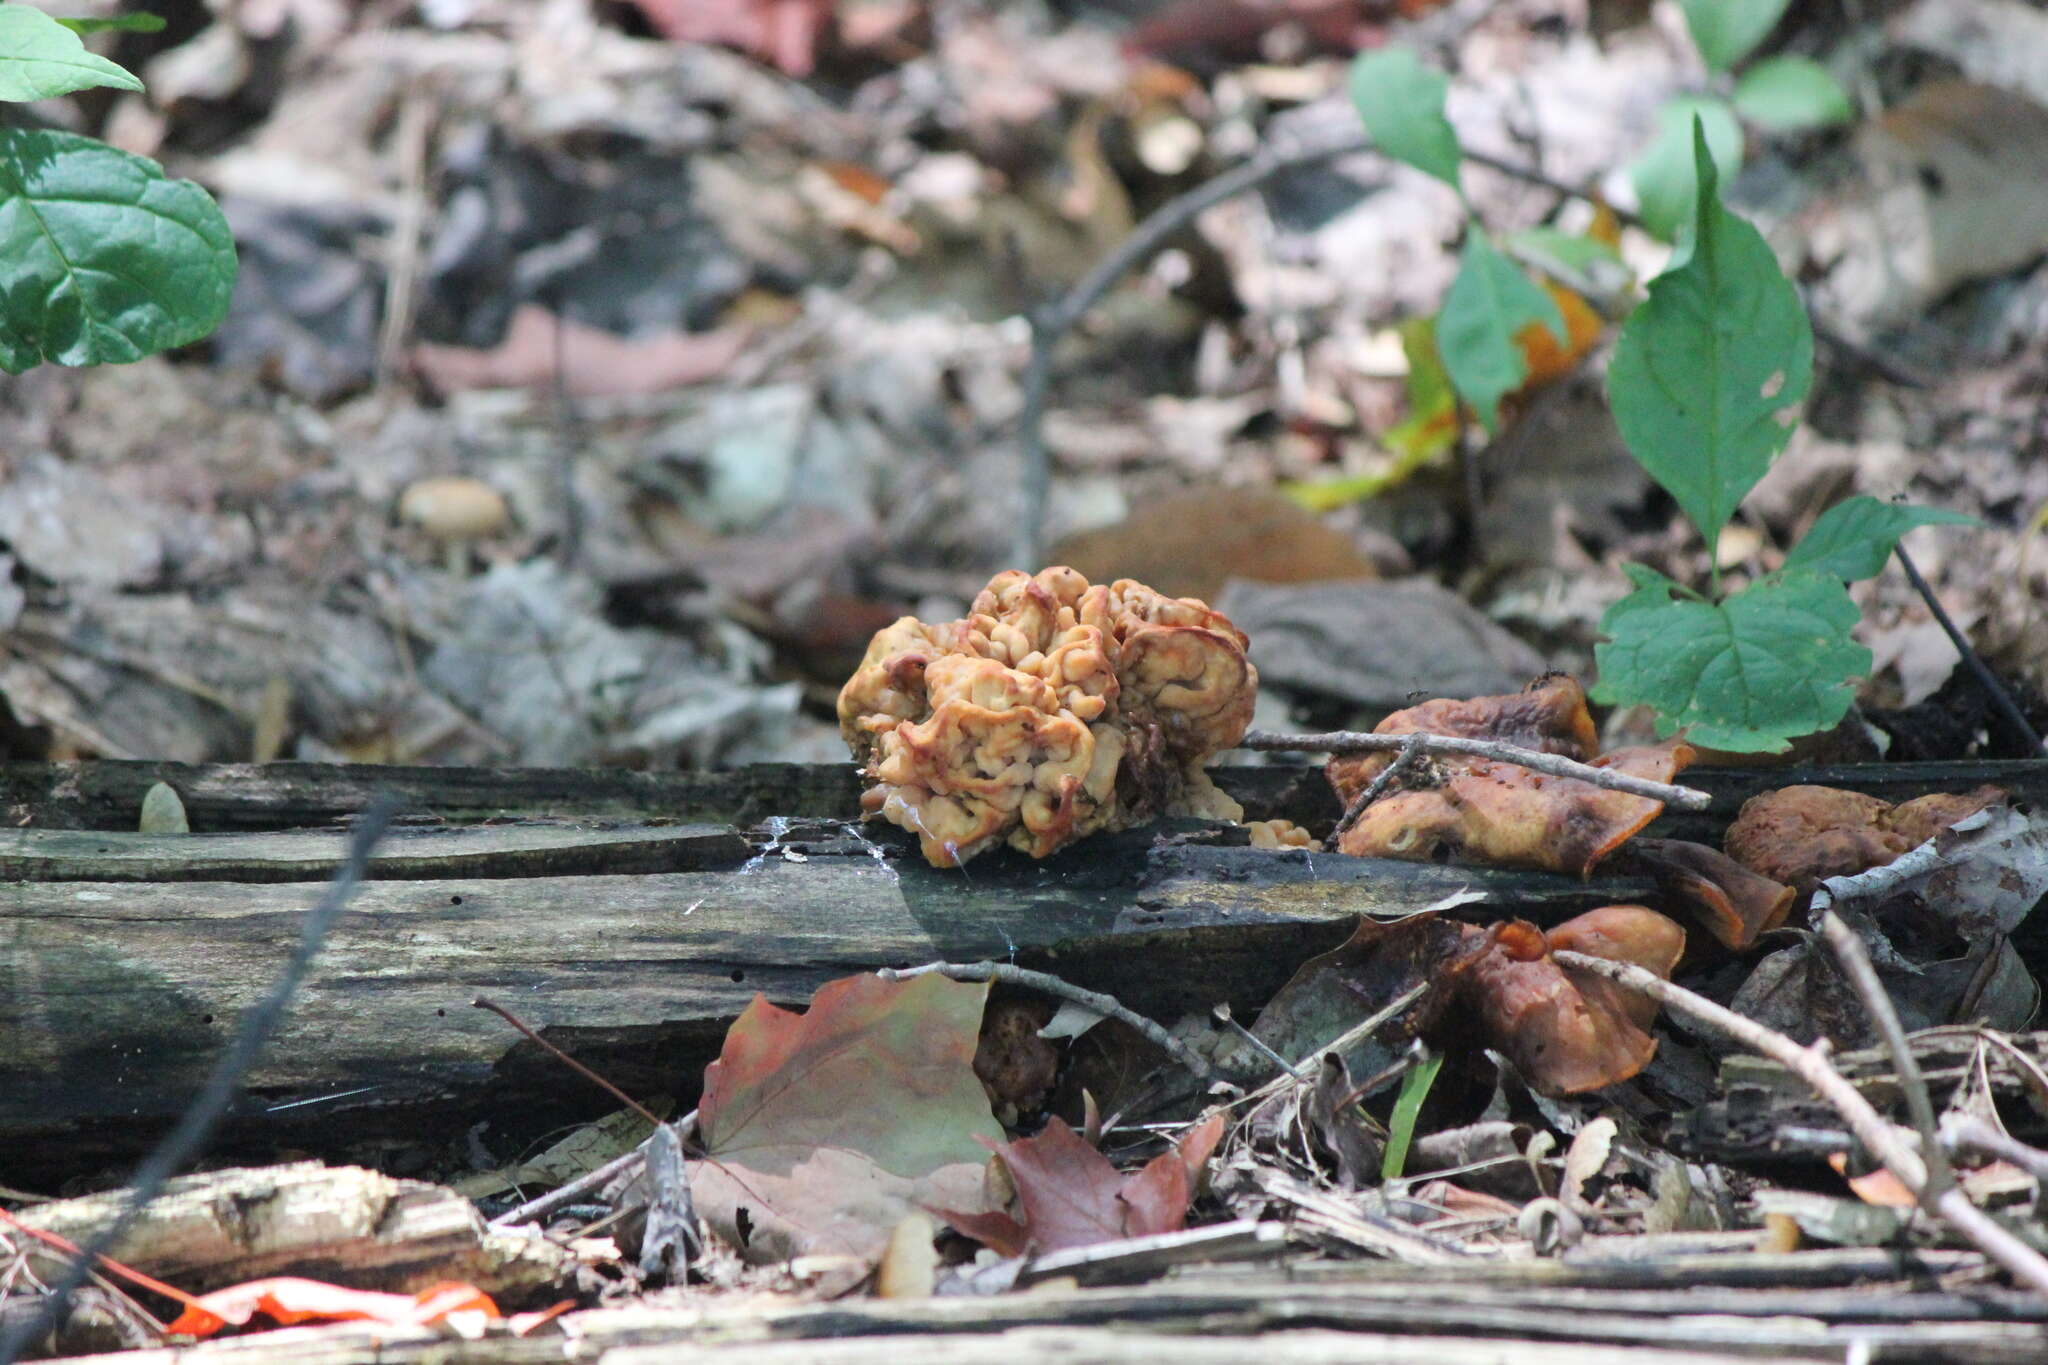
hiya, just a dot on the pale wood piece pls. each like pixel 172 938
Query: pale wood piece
pixel 356 1226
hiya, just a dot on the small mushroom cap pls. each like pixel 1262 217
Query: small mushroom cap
pixel 454 508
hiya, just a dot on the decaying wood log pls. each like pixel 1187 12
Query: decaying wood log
pixel 1367 1314
pixel 231 796
pixel 359 1227
pixel 120 994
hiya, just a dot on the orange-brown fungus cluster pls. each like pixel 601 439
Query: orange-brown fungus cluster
pixel 1478 810
pixel 1570 1031
pixel 1052 710
pixel 1804 835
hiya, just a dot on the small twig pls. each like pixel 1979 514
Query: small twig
pixel 1052 985
pixel 1359 742
pixel 197 1124
pixel 1402 761
pixel 1962 1132
pixel 484 1002
pixel 1300 1071
pixel 1987 680
pixel 542 1205
pixel 1883 1139
pixel 1855 960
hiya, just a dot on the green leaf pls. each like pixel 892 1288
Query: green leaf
pixel 1856 536
pixel 1652 590
pixel 1490 301
pixel 1407 1106
pixel 1786 94
pixel 1707 371
pixel 102 259
pixel 40 57
pixel 1747 673
pixel 1729 30
pixel 1402 104
pixel 121 23
pixel 1665 176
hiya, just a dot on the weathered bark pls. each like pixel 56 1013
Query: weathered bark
pixel 115 997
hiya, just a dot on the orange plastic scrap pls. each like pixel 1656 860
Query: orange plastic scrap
pixel 1053 709
pixel 1566 1031
pixel 286 1300
pixel 1502 813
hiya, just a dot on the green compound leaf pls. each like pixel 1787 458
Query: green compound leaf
pixel 1747 673
pixel 120 23
pixel 1787 94
pixel 41 58
pixel 102 259
pixel 1402 104
pixel 1664 176
pixel 1490 301
pixel 1729 30
pixel 1856 536
pixel 1707 371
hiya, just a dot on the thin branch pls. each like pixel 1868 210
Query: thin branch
pixel 1855 960
pixel 1052 985
pixel 1556 765
pixel 1987 680
pixel 196 1125
pixel 1404 760
pixel 1883 1139
pixel 1962 1132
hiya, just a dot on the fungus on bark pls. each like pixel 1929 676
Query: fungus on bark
pixel 1053 709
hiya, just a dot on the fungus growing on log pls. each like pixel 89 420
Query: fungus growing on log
pixel 1804 835
pixel 1053 709
pixel 1479 810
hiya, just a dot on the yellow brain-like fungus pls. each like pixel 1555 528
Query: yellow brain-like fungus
pixel 1053 709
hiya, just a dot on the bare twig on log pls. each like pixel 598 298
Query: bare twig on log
pixel 1883 1139
pixel 484 1002
pixel 1402 762
pixel 589 1182
pixel 1052 985
pixel 1986 679
pixel 1556 765
pixel 196 1126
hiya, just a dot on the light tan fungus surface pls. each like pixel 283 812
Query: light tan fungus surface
pixel 1053 709
pixel 1803 835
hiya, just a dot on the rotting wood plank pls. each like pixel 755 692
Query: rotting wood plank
pixel 116 997
pixel 108 794
pixel 409 852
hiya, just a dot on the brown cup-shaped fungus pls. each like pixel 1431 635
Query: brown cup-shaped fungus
pixel 1569 1032
pixel 1734 903
pixel 1051 710
pixel 1502 813
pixel 1804 835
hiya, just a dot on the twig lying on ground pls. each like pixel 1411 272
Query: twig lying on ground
pixel 1410 749
pixel 1052 985
pixel 196 1125
pixel 1962 1132
pixel 540 1206
pixel 1359 742
pixel 1883 1139
pixel 1986 679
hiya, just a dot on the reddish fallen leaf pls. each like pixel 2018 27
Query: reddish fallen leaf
pixel 286 1300
pixel 828 1127
pixel 1071 1195
pixel 591 361
pixel 785 32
